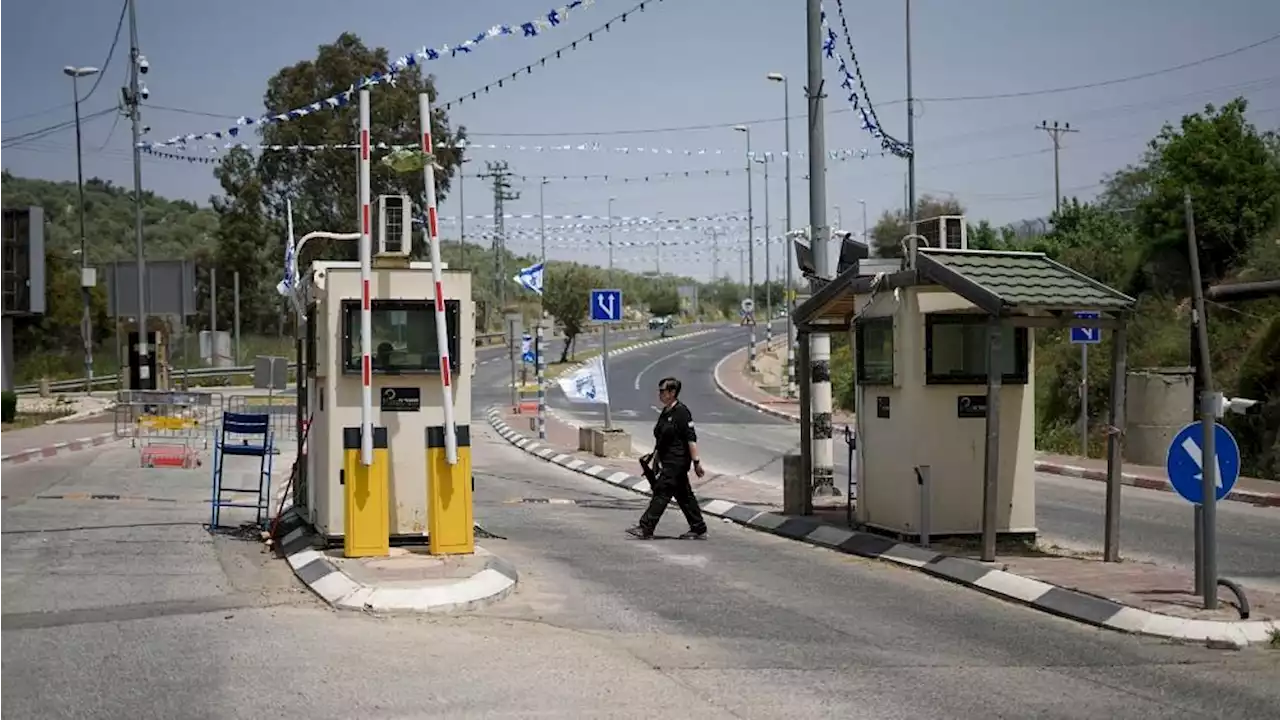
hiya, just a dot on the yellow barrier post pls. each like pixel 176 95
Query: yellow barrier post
pixel 450 519
pixel 366 513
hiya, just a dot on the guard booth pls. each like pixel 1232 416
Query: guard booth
pixel 945 439
pixel 406 379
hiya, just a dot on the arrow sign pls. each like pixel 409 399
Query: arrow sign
pixel 1086 335
pixel 606 305
pixel 1185 462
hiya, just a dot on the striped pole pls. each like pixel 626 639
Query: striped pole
pixel 366 314
pixel 541 363
pixel 437 278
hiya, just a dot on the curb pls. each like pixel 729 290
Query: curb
pixel 495 582
pixel 61 448
pixel 1063 602
pixel 1147 482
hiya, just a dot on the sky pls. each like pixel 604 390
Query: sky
pixel 678 64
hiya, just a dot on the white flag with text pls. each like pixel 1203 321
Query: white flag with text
pixel 587 384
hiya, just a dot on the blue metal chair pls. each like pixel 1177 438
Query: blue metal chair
pixel 245 435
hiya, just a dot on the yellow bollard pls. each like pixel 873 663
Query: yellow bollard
pixel 366 516
pixel 450 519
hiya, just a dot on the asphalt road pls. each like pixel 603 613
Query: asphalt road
pixel 129 609
pixel 1155 526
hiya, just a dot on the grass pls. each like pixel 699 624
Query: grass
pixel 1275 639
pixel 33 419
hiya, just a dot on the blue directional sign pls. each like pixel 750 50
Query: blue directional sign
pixel 1086 335
pixel 526 349
pixel 606 305
pixel 1185 460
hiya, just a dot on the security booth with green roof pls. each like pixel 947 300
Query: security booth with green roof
pixel 944 446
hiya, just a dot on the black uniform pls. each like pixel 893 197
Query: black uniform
pixel 672 435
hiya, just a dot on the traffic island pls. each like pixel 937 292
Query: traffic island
pixel 601 442
pixel 407 580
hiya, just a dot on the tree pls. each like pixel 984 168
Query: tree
pixel 886 236
pixel 248 242
pixel 323 184
pixel 565 296
pixel 667 303
pixel 1234 180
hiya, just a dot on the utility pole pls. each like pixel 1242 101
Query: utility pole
pixel 133 96
pixel 502 192
pixel 1056 132
pixel 911 143
pixel 715 252
pixel 462 211
pixel 816 445
pixel 86 322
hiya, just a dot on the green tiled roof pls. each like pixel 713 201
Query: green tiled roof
pixel 1030 280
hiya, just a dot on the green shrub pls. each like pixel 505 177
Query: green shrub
pixel 8 407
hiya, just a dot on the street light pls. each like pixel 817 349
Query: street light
pixel 865 241
pixel 768 265
pixel 786 148
pixel 604 331
pixel 86 325
pixel 751 255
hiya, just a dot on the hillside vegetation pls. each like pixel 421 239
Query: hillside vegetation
pixel 1133 238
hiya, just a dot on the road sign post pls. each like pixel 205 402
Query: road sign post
pixel 1084 337
pixel 1203 463
pixel 606 307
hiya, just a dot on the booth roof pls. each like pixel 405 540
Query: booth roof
pixel 999 283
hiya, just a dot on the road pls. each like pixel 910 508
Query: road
pixel 129 609
pixel 1156 526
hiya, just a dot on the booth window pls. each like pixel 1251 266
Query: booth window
pixel 874 338
pixel 404 336
pixel 956 351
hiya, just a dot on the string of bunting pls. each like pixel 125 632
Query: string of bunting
pixel 600 230
pixel 617 220
pixel 566 241
pixel 768 155
pixel 531 28
pixel 853 83
pixel 556 54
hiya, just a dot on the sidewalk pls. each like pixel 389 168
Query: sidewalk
pixel 54 439
pixel 732 380
pixel 1130 597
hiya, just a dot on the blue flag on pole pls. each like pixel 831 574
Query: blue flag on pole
pixel 530 278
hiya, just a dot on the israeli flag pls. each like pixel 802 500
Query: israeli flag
pixel 289 284
pixel 587 385
pixel 530 278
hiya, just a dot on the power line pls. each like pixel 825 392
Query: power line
pixel 957 98
pixel 98 80
pixel 50 129
pixel 115 39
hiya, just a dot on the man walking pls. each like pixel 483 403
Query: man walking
pixel 675 450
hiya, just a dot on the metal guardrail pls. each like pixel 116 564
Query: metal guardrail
pixel 110 381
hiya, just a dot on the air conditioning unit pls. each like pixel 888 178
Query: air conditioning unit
pixel 394 231
pixel 945 232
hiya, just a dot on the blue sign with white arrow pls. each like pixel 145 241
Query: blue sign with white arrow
pixel 606 305
pixel 1086 335
pixel 1185 460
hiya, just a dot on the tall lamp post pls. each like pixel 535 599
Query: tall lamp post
pixel 86 282
pixel 604 331
pixel 751 252
pixel 768 264
pixel 865 241
pixel 786 151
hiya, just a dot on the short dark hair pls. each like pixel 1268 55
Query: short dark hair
pixel 670 383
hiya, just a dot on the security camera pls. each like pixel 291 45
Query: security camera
pixel 143 65
pixel 144 92
pixel 146 129
pixel 1242 406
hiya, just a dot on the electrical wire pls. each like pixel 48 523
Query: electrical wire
pixel 115 40
pixel 957 98
pixel 49 130
pixel 98 80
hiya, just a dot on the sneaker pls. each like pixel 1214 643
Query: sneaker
pixel 639 532
pixel 694 535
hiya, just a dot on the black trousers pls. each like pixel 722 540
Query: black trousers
pixel 673 485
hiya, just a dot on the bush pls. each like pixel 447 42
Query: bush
pixel 8 407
